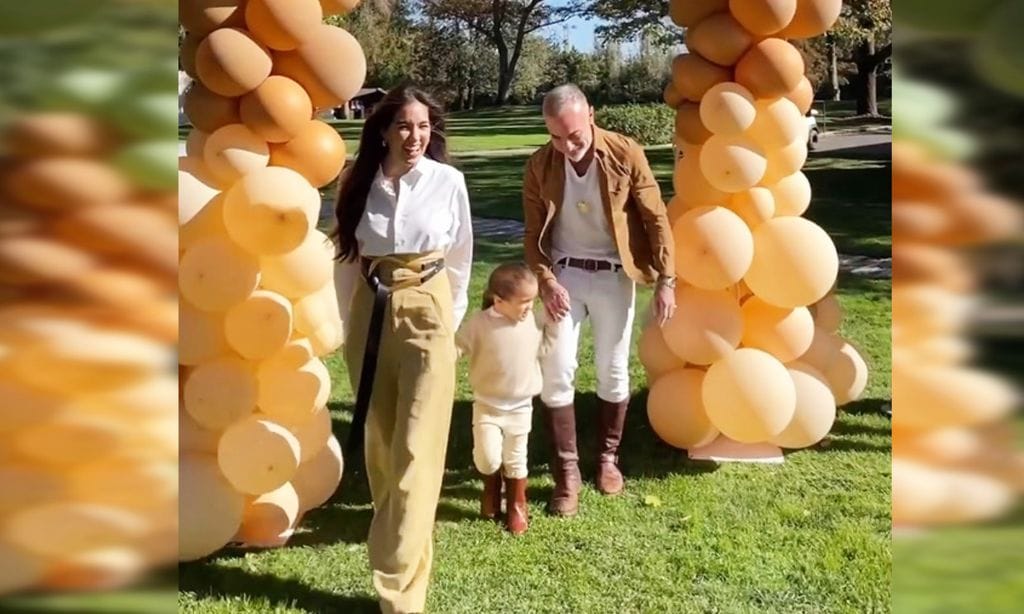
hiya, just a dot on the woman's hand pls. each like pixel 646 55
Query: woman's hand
pixel 555 299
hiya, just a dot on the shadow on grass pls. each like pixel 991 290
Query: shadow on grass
pixel 212 581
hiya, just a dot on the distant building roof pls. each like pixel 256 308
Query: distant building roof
pixel 370 90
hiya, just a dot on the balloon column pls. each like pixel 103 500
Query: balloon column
pixel 752 353
pixel 258 307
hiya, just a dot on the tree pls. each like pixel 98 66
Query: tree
pixel 629 19
pixel 538 54
pixel 389 39
pixel 505 24
pixel 864 32
pixel 456 64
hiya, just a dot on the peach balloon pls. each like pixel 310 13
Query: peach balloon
pixel 330 64
pixel 257 456
pixel 338 7
pixel 691 188
pixel 823 351
pixel 269 520
pixel 792 195
pixel 686 13
pixel 200 336
pixel 317 309
pixel 234 151
pixel 795 262
pixel 208 111
pixel 215 274
pixel 207 222
pixel 277 110
pixel 754 206
pixel 209 510
pixel 812 18
pixel 815 411
pixel 778 124
pixel 828 313
pixel 317 153
pixel 312 432
pixel 260 325
pixel 219 392
pixel 708 325
pixel 763 17
pixel 327 338
pixel 784 333
pixel 732 164
pixel 802 96
pixel 318 478
pixel 935 396
pixel 671 96
pixel 848 375
pixel 195 142
pixel 782 162
pixel 200 17
pixel 655 354
pixel 772 68
pixel 282 24
pixel 727 109
pixel 675 210
pixel 676 411
pixel 689 126
pixel 714 247
pixel 719 38
pixel 194 438
pixel 270 211
pixel 231 63
pixel 189 47
pixel 292 391
pixel 749 396
pixel 693 76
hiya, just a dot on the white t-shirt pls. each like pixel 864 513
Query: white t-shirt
pixel 581 229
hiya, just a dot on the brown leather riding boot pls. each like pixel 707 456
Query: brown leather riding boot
pixel 561 427
pixel 490 501
pixel 611 420
pixel 516 515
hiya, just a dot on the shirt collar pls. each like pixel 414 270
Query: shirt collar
pixel 410 178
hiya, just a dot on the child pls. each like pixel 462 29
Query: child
pixel 504 343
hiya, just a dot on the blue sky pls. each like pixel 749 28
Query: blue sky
pixel 580 31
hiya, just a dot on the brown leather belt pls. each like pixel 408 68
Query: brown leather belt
pixel 588 264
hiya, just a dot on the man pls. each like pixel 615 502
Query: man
pixel 595 226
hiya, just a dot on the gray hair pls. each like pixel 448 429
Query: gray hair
pixel 561 97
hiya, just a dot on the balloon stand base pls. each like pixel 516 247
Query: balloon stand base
pixel 725 450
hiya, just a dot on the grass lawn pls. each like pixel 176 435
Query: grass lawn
pixel 842 115
pixel 812 535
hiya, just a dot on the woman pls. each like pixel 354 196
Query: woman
pixel 405 243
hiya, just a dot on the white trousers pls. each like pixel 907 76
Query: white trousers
pixel 609 299
pixel 500 438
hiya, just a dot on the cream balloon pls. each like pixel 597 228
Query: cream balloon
pixel 823 351
pixel 206 223
pixel 676 412
pixel 749 396
pixel 732 164
pixel 318 478
pixel 293 393
pixel 210 511
pixel 234 151
pixel 260 325
pixel 785 161
pixel 707 326
pixel 270 211
pixel 220 392
pixel 327 338
pixel 714 247
pixel 727 109
pixel 194 438
pixel 62 528
pixel 257 455
pixel 215 275
pixel 196 187
pixel 795 262
pixel 815 410
pixel 777 124
pixel 301 271
pixel 930 396
pixel 200 337
pixel 317 309
pixel 792 195
pixel 847 375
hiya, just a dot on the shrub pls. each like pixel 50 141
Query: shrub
pixel 648 124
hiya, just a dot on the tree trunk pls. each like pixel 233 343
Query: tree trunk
pixel 867 79
pixel 834 70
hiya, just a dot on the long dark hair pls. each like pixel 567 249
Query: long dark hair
pixel 355 182
pixel 505 280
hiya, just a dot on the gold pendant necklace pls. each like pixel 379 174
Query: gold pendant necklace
pixel 583 206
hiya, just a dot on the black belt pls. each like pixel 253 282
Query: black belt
pixel 381 293
pixel 588 264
